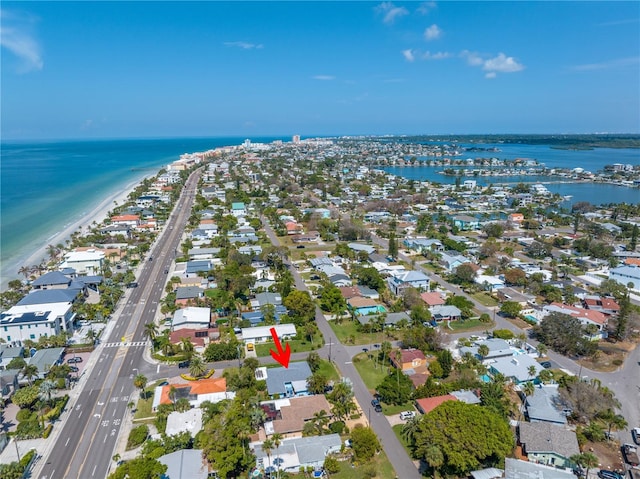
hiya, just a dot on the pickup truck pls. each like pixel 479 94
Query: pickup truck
pixel 630 453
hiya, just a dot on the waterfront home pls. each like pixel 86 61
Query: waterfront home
pixel 287 416
pixel 466 222
pixel 515 218
pixel 31 321
pixel 297 453
pixel 87 262
pixel 185 463
pixel 628 275
pixel 547 443
pixel 126 220
pixel 191 317
pixel 399 282
pixel 196 392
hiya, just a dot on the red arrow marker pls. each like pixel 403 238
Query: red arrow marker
pixel 282 356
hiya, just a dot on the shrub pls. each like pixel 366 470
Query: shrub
pixel 29 429
pixel 26 459
pixel 337 427
pixel 331 465
pixel 47 431
pixel 617 362
pixel 137 436
pixel 25 415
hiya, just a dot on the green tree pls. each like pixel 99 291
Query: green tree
pixel 341 399
pixel 317 383
pixel 314 361
pixel 468 435
pixel 140 381
pixel 197 367
pixel 465 273
pixel 26 397
pixel 511 309
pixel 300 305
pixel 612 421
pixel 140 468
pixel 364 443
pixel 564 334
pixel 587 460
pixel 395 390
pixel 393 245
pixel 30 371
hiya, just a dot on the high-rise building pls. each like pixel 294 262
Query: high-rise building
pixel 296 139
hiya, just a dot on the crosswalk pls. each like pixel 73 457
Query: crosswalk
pixel 131 344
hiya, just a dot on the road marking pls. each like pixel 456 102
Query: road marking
pixel 94 470
pixel 348 362
pixel 80 414
pixel 67 443
pixel 114 413
pixel 96 415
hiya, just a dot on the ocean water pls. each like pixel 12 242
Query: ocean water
pixel 46 186
pixel 591 160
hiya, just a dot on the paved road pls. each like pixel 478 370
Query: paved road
pixel 341 356
pixel 85 446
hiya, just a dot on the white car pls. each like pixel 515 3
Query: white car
pixel 635 434
pixel 406 415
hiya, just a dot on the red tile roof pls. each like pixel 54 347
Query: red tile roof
pixel 426 405
pixel 432 299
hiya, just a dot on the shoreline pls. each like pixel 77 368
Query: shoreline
pixel 98 214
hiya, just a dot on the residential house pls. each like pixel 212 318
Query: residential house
pixel 186 295
pixel 408 279
pixel 545 405
pixel 43 359
pixel 426 405
pixel 409 359
pixel 8 383
pixel 515 368
pixel 585 316
pixel 498 348
pixel 196 254
pixel 288 416
pixel 185 464
pixel 360 306
pixel 293 228
pixel 51 280
pixel 238 209
pixel 369 249
pixel 489 283
pixel 31 321
pixel 516 218
pixel 310 237
pixel 450 260
pixel 8 352
pixel 432 298
pixel 547 443
pixel 466 222
pixel 116 230
pixel 262 334
pixel 445 313
pixel 423 244
pixel 296 453
pixel 196 392
pixel 199 266
pixel 84 262
pixel 286 382
pixel 510 294
pixel 517 469
pixel 628 275
pixel 394 319
pixel 126 220
pixel 188 421
pixel 191 317
pixel 200 338
pixel 607 306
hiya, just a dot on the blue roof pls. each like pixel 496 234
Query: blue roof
pixel 23 318
pixel 50 278
pixel 45 296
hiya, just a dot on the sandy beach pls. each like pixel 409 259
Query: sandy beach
pixel 98 214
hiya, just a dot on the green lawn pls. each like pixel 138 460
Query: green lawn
pixel 143 408
pixel 473 324
pixel 485 299
pixel 380 464
pixel 390 410
pixel 397 429
pixel 348 331
pixel 329 371
pixel 370 374
pixel 296 345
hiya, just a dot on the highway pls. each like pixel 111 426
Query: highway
pixel 85 445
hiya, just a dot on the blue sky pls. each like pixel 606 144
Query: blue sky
pixel 144 69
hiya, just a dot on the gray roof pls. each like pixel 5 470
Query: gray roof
pixel 51 278
pixel 189 292
pixel 466 396
pixel 516 469
pixel 395 318
pixel 545 405
pixel 10 352
pixel 184 464
pixel 199 265
pixel 277 377
pixel 309 449
pixel 490 473
pixel 46 296
pixel 269 298
pixel 45 358
pixel 516 366
pixel 445 311
pixel 543 437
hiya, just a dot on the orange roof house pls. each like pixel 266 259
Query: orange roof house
pixel 432 299
pixel 426 405
pixel 410 359
pixel 125 219
pixel 196 392
pixel 516 217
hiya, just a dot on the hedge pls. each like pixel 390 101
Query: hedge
pixel 137 436
pixel 47 431
pixel 186 377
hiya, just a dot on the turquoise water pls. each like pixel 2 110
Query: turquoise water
pixel 46 186
pixel 591 160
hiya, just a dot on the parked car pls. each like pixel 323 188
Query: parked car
pixel 166 271
pixel 606 474
pixel 74 369
pixel 545 364
pixel 406 415
pixel 73 360
pixel 183 364
pixel 377 408
pixel 133 284
pixel 635 434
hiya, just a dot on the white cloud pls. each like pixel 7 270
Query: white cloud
pixel 433 32
pixel 617 63
pixel 435 56
pixel 17 37
pixel 243 45
pixel 426 7
pixel 323 77
pixel 490 75
pixel 502 64
pixel 408 55
pixel 390 12
pixel 473 58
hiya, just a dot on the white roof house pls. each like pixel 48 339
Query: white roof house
pixel 260 334
pixel 31 321
pixel 515 368
pixel 84 262
pixel 191 317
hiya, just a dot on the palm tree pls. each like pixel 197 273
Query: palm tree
pixel 267 447
pixel 320 420
pixel 151 329
pixel 187 348
pixel 531 370
pixel 586 460
pixel 434 457
pixel 277 439
pixel 409 429
pixel 542 349
pixel 45 389
pixel 483 351
pixel 25 271
pixel 30 371
pixel 197 367
pixel 140 381
pixel 398 357
pixel 613 421
pixel 173 394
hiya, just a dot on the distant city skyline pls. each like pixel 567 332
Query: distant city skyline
pixel 255 69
